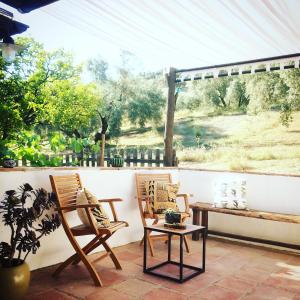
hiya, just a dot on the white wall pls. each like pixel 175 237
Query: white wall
pixel 270 193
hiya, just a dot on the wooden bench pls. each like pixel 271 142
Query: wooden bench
pixel 204 208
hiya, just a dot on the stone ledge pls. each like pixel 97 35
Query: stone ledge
pixel 29 169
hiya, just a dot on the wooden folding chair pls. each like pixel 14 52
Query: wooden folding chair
pixel 146 210
pixel 66 188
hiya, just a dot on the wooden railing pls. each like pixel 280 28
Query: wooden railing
pixel 133 157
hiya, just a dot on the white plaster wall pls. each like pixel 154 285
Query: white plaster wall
pixel 271 193
pixel 104 183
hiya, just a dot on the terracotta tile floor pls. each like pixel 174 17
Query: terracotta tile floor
pixel 233 271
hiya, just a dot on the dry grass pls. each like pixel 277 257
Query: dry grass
pixel 239 142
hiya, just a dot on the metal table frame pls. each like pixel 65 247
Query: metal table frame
pixel 181 278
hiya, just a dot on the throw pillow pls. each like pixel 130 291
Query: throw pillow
pixel 237 195
pixel 98 213
pixel 230 194
pixel 162 196
pixel 82 199
pixel 220 194
pixel 150 187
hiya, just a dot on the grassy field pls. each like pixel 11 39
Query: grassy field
pixel 233 142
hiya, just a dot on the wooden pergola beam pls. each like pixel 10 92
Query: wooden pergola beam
pixel 169 125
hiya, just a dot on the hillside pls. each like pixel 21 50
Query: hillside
pixel 234 142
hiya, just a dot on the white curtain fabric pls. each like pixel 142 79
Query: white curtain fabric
pixel 187 33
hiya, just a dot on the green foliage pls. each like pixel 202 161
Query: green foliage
pixel 265 91
pixel 209 93
pixel 145 104
pixel 29 146
pixel 128 95
pixel 28 223
pixel 236 96
pixel 71 107
pixel 23 83
pixel 98 67
pixel 42 91
pixel 255 93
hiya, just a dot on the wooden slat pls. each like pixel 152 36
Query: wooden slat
pixel 127 158
pixel 67 200
pixel 93 158
pixel 66 182
pixel 157 157
pixel 68 203
pixel 65 178
pixel 70 189
pixel 108 155
pixel 64 197
pixel 142 158
pixel 24 162
pixel 67 187
pixel 88 160
pixel 248 213
pixel 135 157
pixel 149 158
pixel 141 178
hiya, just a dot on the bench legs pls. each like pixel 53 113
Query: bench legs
pixel 196 221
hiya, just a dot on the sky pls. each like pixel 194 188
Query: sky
pixel 54 33
pixel 164 33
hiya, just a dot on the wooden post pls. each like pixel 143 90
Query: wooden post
pixel 128 157
pixel 135 157
pixel 169 126
pixel 157 157
pixel 102 150
pixel 74 158
pixel 196 221
pixel 108 155
pixel 149 157
pixel 142 157
pixel 93 159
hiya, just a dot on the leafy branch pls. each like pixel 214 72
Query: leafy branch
pixel 28 224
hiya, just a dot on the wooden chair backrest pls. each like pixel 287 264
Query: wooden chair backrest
pixel 66 188
pixel 142 178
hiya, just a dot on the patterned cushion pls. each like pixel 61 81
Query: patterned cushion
pixel 161 195
pixel 98 213
pixel 230 194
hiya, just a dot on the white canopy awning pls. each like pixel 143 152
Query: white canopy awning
pixel 186 33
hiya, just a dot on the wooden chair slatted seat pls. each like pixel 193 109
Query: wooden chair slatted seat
pixel 145 207
pixel 66 188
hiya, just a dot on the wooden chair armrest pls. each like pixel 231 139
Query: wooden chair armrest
pixel 77 206
pixel 111 200
pixel 186 200
pixel 185 195
pixel 111 205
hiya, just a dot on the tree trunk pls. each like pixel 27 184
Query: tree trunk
pixel 169 127
pixel 223 102
pixel 102 150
